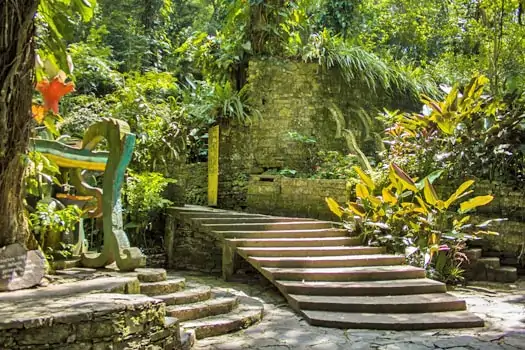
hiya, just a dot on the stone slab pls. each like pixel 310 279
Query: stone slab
pixel 59 309
pixel 96 285
pixel 20 268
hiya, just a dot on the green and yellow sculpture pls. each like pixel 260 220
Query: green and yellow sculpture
pixel 120 142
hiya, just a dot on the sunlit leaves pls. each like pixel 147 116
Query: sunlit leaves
pixel 364 178
pixel 334 207
pixel 474 203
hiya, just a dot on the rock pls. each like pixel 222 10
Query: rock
pixel 20 268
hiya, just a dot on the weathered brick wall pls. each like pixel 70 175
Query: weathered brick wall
pixel 294 197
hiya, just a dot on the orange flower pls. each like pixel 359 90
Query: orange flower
pixel 39 112
pixel 53 91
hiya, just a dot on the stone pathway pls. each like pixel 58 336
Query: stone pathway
pixel 501 306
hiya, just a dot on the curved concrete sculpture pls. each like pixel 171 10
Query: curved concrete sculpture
pixel 114 163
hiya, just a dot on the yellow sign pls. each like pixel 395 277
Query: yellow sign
pixel 213 165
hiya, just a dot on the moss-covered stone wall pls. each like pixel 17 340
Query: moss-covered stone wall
pixel 192 184
pixel 294 197
pixel 291 97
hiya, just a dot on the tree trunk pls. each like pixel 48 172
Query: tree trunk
pixel 17 61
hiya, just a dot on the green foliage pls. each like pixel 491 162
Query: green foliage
pixel 334 165
pixel 40 175
pixel 49 219
pixel 145 201
pixel 409 217
pixel 452 40
pixel 213 103
pixel 95 71
pixel 57 19
pixel 467 134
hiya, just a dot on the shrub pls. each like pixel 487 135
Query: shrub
pixel 407 216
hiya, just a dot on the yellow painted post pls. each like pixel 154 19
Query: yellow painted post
pixel 213 165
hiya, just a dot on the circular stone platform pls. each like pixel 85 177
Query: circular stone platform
pixel 86 321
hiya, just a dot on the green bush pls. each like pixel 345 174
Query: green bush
pixel 144 203
pixel 408 217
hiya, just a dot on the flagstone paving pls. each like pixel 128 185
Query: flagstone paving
pixel 501 306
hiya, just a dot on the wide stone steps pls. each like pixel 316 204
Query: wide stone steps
pixel 328 261
pixel 293 242
pixel 187 296
pixel 248 312
pixel 415 303
pixel 245 220
pixel 393 321
pixel 193 214
pixel 271 226
pixel 201 309
pixel 198 310
pixel 365 288
pixel 308 251
pixel 329 277
pixel 362 273
pixel 316 233
pixel 162 287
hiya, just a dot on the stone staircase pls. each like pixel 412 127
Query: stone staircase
pixel 327 276
pixel 487 266
pixel 200 310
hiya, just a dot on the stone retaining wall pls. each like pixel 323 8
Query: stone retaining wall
pixel 277 195
pixel 88 321
pixel 188 248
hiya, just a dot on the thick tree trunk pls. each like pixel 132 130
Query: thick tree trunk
pixel 16 88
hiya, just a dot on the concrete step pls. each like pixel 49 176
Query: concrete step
pixel 204 214
pixel 473 254
pixel 149 274
pixel 293 242
pixel 212 307
pixel 186 296
pixel 248 312
pixel 505 274
pixel 274 226
pixel 309 251
pixel 398 322
pixel 329 261
pixel 330 232
pixel 367 273
pixel 246 220
pixel 163 287
pixel 366 288
pixel 490 262
pixel 415 303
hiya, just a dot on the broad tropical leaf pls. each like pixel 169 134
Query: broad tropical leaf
pixel 334 207
pixel 430 193
pixel 461 189
pixel 361 191
pixel 357 209
pixel 388 196
pixel 365 178
pixel 406 180
pixel 474 203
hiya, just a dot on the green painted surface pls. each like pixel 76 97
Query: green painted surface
pixel 113 163
pixel 116 243
pixel 62 150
